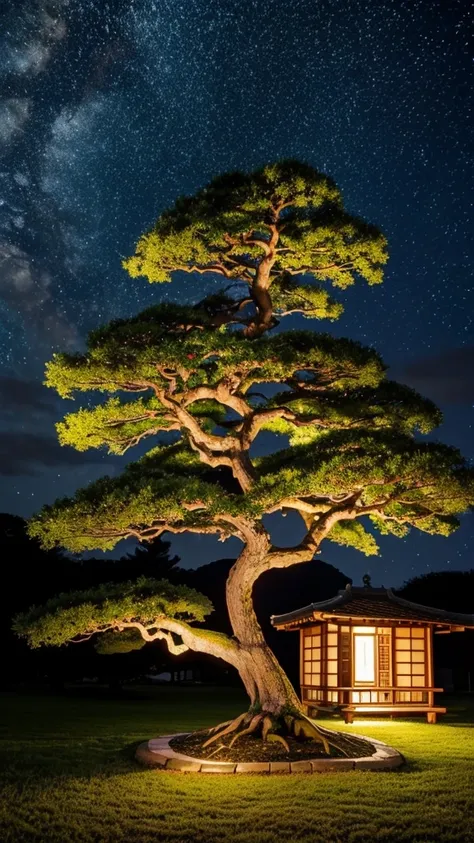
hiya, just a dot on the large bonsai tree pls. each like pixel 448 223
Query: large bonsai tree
pixel 350 461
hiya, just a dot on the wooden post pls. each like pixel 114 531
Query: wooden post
pixel 429 661
pixel 431 716
pixel 324 661
pixel 301 661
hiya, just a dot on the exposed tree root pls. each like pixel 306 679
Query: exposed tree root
pixel 216 751
pixel 220 726
pixel 231 727
pixel 252 727
pixel 266 727
pixel 302 726
pixel 274 738
pixel 275 729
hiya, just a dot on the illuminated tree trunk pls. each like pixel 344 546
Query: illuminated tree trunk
pixel 273 692
pixel 260 289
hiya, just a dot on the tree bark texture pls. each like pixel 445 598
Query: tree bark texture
pixel 256 662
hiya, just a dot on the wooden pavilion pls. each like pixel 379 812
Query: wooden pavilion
pixel 368 651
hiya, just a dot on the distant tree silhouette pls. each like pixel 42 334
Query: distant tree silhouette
pixel 450 590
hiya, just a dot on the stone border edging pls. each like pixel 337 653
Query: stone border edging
pixel 158 753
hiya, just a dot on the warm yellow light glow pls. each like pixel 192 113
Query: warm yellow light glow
pixel 375 708
pixel 367 630
pixel 364 653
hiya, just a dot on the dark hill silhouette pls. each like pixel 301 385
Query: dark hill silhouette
pixel 451 590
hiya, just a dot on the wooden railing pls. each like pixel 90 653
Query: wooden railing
pixel 378 695
pixel 370 688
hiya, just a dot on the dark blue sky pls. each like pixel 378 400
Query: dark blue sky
pixel 108 111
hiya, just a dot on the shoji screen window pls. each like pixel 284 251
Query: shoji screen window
pixel 332 662
pixel 312 656
pixel 410 657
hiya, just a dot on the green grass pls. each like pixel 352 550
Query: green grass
pixel 68 774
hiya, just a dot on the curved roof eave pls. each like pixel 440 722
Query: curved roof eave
pixel 333 607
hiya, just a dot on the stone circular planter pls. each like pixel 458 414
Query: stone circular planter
pixel 158 753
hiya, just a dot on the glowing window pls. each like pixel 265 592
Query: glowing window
pixel 364 655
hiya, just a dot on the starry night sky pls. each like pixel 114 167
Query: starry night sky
pixel 109 111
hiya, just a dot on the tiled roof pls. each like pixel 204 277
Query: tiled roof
pixel 373 604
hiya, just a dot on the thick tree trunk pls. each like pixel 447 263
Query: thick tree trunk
pixel 273 691
pixel 275 709
pixel 264 318
pixel 260 292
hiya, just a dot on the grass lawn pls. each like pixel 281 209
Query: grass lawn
pixel 68 774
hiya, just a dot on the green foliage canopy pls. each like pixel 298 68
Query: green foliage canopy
pixel 109 606
pixel 285 219
pixel 136 355
pixel 347 434
pixel 422 485
pixel 113 643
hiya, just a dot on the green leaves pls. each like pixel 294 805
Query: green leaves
pixel 142 354
pixel 387 405
pixel 126 641
pixel 115 424
pixel 353 534
pixel 332 246
pixel 225 229
pixel 119 425
pixel 208 231
pixel 167 487
pixel 273 233
pixel 349 431
pixel 84 613
pixel 425 485
pixel 291 296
